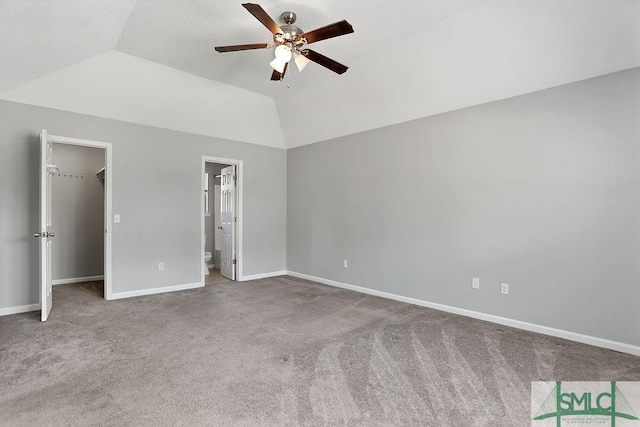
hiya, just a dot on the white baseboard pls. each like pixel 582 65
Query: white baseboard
pixel 152 291
pixel 19 309
pixel 211 266
pixel 76 280
pixel 531 327
pixel 262 275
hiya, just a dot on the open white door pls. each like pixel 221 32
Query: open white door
pixel 45 234
pixel 228 222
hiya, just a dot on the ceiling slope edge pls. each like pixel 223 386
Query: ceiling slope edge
pixel 122 87
pixel 293 146
pixel 41 37
pixel 497 50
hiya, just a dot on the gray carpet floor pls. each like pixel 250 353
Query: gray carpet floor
pixel 280 351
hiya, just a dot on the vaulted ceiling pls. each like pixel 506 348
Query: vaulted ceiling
pixel 152 62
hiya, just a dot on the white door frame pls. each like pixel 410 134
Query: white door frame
pixel 108 188
pixel 239 202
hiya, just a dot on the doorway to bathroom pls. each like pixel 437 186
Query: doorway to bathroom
pixel 221 220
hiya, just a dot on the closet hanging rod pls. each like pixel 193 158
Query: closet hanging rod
pixel 68 174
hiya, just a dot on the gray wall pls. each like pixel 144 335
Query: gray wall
pixel 539 191
pixel 156 190
pixel 77 210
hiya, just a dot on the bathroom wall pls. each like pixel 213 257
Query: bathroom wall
pixel 77 213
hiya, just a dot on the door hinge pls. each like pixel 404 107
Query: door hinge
pixel 234 262
pixel 235 219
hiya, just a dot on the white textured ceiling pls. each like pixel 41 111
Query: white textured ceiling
pixel 407 59
pixel 182 34
pixel 498 50
pixel 124 87
pixel 38 37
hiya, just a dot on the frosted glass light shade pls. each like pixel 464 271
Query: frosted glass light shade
pixel 278 65
pixel 301 61
pixel 283 53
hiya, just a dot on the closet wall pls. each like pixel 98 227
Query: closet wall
pixel 78 213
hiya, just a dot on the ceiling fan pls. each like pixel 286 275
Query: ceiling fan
pixel 289 42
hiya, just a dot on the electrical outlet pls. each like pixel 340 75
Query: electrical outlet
pixel 504 289
pixel 161 266
pixel 116 218
pixel 475 283
pixel 344 263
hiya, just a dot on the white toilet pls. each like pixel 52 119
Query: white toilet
pixel 207 258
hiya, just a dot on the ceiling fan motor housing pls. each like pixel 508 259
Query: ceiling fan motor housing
pixel 290 32
pixel 288 17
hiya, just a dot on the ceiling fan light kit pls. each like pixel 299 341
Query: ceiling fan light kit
pixel 289 42
pixel 283 56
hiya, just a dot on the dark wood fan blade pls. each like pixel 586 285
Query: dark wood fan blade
pixel 333 30
pixel 329 63
pixel 262 16
pixel 238 47
pixel 276 76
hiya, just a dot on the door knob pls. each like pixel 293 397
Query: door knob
pixel 37 235
pixel 219 227
pixel 51 234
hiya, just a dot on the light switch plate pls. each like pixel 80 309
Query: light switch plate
pixel 116 218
